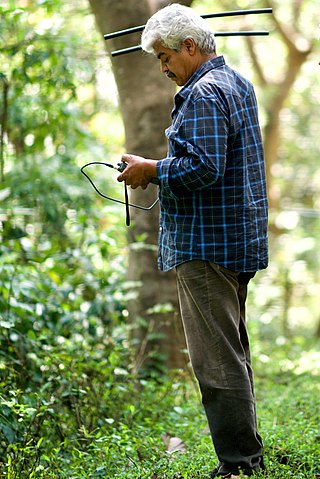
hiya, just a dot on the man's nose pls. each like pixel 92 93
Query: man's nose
pixel 163 68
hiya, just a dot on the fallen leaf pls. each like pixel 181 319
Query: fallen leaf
pixel 173 444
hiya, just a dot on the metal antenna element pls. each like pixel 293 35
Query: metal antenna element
pixel 244 33
pixel 232 13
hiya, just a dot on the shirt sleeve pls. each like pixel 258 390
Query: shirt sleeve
pixel 197 147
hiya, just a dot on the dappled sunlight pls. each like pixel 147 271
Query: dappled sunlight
pixel 309 362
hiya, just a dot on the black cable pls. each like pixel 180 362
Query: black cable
pixel 126 202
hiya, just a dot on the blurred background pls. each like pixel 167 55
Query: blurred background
pixel 78 289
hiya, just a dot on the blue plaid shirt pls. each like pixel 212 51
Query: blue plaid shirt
pixel 213 200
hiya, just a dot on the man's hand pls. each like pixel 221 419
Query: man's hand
pixel 139 171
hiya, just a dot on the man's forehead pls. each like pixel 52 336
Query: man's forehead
pixel 160 49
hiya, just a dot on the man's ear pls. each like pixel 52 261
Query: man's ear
pixel 190 46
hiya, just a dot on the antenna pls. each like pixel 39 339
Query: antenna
pixel 233 13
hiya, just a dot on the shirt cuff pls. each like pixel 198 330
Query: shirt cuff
pixel 163 169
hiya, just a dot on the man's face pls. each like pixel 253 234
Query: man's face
pixel 178 66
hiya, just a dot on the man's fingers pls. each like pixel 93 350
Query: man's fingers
pixel 126 158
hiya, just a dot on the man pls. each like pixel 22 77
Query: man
pixel 213 222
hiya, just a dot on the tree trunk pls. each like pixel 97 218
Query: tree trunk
pixel 146 99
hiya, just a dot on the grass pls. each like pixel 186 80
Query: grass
pixel 131 441
pixel 289 417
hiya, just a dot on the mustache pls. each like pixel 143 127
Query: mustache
pixel 170 75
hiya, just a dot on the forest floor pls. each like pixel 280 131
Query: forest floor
pixel 91 419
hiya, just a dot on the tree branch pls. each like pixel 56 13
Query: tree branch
pixel 256 63
pixel 290 37
pixel 296 11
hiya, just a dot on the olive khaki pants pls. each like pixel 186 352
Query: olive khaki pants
pixel 212 302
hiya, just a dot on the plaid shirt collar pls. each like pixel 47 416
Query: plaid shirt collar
pixel 202 70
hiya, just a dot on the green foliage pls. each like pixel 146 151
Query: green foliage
pixel 90 417
pixel 71 402
pixel 62 293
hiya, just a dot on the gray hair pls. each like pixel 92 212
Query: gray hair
pixel 174 24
